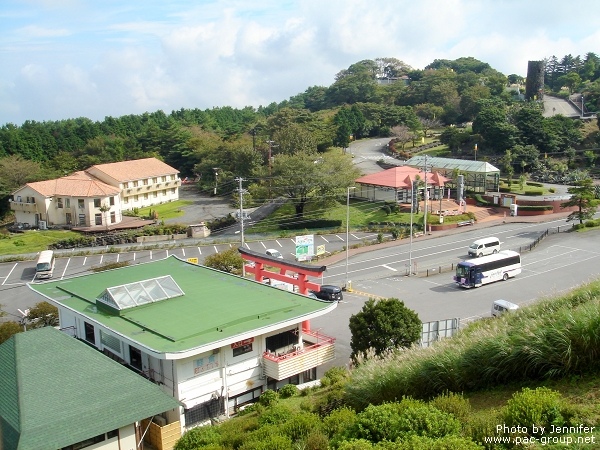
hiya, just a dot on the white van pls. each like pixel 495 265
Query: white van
pixel 499 307
pixel 485 246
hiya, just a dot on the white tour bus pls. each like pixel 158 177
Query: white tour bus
pixel 45 264
pixel 487 269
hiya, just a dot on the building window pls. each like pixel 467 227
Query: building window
pixel 98 219
pixel 111 201
pixel 136 198
pixel 80 203
pixel 86 443
pixel 164 192
pixel 172 190
pixel 282 341
pixel 67 202
pixel 81 219
pixel 113 217
pixel 146 181
pixel 135 358
pixel 89 333
pixel 126 200
pixel 163 179
pixel 97 203
pixel 126 185
pixel 155 194
pixel 172 177
pixel 59 202
pixel 146 196
pixel 112 434
pixel 204 411
pixel 135 184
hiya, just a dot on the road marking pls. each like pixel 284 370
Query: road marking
pixel 101 258
pixel 263 244
pixel 65 270
pixel 183 251
pixel 150 254
pixel 134 256
pixel 216 249
pixel 354 236
pixel 389 268
pixel 11 271
pixel 84 260
pixel 118 255
pixel 199 250
pixel 340 238
pixel 278 243
pixel 325 239
pixel 366 294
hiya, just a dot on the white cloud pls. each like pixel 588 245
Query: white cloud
pixel 110 58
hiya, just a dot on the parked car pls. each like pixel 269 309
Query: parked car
pixel 330 292
pixel 274 253
pixel 499 307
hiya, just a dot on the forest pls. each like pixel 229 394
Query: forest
pixel 466 100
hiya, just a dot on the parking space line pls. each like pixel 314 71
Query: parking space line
pixel 11 271
pixel 216 249
pixel 354 236
pixel 340 238
pixel 324 238
pixel 263 244
pixel 101 258
pixel 183 251
pixel 65 269
pixel 199 250
pixel 389 268
pixel 278 243
pixel 150 254
pixel 84 260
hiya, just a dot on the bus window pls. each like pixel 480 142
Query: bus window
pixel 45 264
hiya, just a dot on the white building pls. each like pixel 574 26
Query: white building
pixel 212 340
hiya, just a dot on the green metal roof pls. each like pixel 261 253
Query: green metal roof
pixel 56 391
pixel 463 165
pixel 215 306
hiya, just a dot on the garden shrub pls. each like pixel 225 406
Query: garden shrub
pixel 198 437
pixel 535 207
pixel 427 443
pixel 355 444
pixel 533 192
pixel 275 415
pixel 338 421
pixel 268 398
pixel 316 440
pixel 300 425
pixel 305 224
pixel 392 421
pixel 540 407
pixel 289 390
pixel 334 375
pixel 454 404
pixel 266 438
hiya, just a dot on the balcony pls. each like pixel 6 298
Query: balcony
pixel 317 349
pixel 23 206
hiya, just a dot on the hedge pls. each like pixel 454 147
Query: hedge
pixel 535 207
pixel 318 223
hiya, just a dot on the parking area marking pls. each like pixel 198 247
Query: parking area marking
pixel 389 268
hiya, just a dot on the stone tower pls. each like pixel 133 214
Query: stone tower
pixel 534 88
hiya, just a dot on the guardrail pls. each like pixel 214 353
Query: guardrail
pixel 451 267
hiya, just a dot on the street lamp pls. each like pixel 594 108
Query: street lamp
pixel 348 287
pixel 216 170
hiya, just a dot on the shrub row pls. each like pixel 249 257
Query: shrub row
pixel 318 223
pixel 535 207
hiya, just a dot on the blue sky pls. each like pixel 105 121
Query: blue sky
pixel 82 58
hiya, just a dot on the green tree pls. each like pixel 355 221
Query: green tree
pixel 507 161
pixel 43 314
pixel 583 196
pixel 383 325
pixel 8 329
pixel 311 177
pixel 16 171
pixel 229 261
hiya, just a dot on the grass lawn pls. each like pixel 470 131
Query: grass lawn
pixel 362 212
pixel 32 241
pixel 169 210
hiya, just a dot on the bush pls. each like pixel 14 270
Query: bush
pixel 268 398
pixel 303 224
pixel 540 407
pixel 300 425
pixel 289 390
pixel 275 415
pixel 198 437
pixel 110 266
pixel 533 192
pixel 334 375
pixel 535 207
pixel 266 438
pixel 454 404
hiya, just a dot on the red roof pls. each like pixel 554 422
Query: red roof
pixel 401 178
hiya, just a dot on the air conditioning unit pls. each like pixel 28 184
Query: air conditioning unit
pixel 160 421
pixel 42 225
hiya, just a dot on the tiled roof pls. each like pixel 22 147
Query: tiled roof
pixel 56 391
pixel 79 184
pixel 401 178
pixel 135 170
pixel 216 306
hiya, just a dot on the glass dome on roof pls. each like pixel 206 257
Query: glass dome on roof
pixel 140 293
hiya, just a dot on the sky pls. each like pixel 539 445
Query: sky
pixel 62 59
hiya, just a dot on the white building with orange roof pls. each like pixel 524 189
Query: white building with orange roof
pixel 97 196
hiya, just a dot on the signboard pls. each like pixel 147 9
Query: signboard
pixel 305 247
pixel 320 250
pixel 192 260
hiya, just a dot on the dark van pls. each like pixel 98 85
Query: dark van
pixel 330 292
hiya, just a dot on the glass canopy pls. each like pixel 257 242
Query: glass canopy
pixel 140 293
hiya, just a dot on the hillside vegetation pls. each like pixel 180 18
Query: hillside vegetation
pixel 528 379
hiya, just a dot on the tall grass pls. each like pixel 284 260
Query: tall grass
pixel 551 339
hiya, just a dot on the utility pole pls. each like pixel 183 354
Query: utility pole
pixel 271 145
pixel 241 192
pixel 216 171
pixel 425 201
